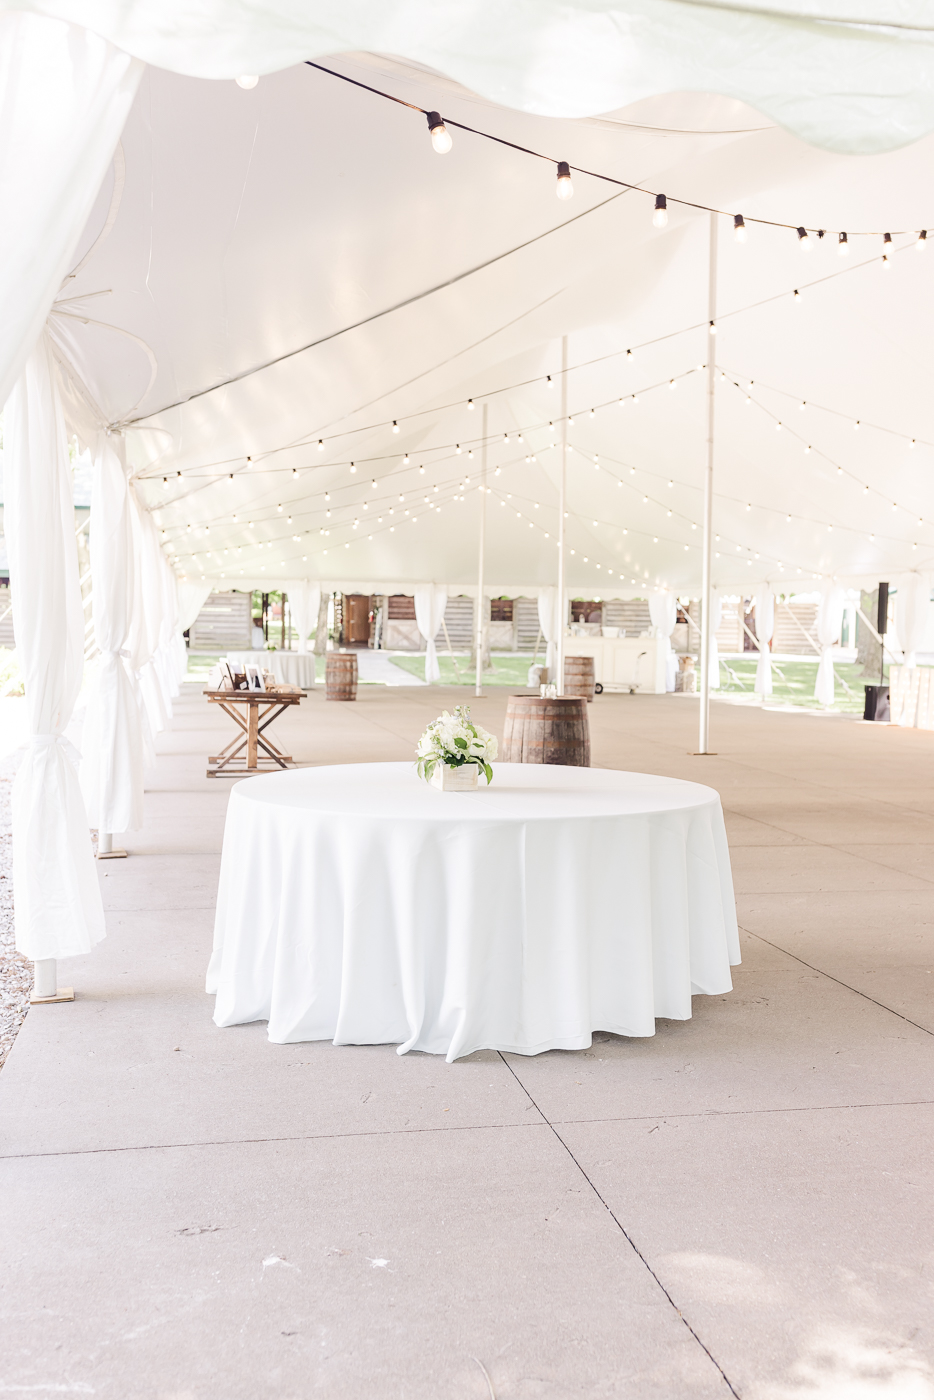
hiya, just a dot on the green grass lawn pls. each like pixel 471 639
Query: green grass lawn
pixel 507 670
pixel 795 684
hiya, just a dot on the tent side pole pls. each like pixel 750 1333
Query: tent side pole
pixel 478 689
pixel 561 606
pixel 704 737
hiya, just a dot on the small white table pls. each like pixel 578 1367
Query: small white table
pixel 357 904
pixel 288 667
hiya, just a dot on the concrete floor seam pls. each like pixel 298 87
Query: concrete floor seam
pixel 623 1231
pixel 855 990
pixel 259 1142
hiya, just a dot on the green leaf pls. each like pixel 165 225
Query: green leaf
pixel 461 743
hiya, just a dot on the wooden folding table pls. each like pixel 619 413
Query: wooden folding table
pixel 261 707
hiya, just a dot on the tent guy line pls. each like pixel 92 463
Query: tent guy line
pixel 369 320
pixel 661 200
pixel 316 436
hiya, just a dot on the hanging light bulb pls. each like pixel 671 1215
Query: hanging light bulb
pixel 843 245
pixel 405 460
pixel 440 136
pixel 712 328
pixel 565 188
pixel 353 469
pixel 922 241
pixel 470 404
pixel 804 243
pixel 247 81
pixel 457 448
pixel 797 298
pixel 165 483
pixel 886 262
pixel 629 355
pixel 739 228
pixel 295 473
pixel 320 444
pixel 395 426
pixel 660 217
pixel 672 384
pixel 886 241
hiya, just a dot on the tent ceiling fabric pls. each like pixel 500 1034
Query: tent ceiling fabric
pixel 846 75
pixel 256 222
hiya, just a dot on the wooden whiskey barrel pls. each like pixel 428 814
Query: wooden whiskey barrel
pixel 579 676
pixel 547 731
pixel 340 675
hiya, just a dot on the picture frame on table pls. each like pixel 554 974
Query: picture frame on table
pixel 254 678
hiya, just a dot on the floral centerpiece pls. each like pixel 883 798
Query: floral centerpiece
pixel 453 749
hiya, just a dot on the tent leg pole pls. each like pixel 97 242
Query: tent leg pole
pixel 478 688
pixel 46 978
pixel 703 746
pixel 561 605
pixel 105 843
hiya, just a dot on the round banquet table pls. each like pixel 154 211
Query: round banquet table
pixel 359 905
pixel 288 667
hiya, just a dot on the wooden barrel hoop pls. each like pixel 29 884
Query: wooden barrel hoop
pixel 579 676
pixel 547 731
pixel 340 676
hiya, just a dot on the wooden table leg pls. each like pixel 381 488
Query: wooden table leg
pixel 252 737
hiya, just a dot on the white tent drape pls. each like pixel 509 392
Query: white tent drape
pixel 191 599
pixel 663 610
pixel 912 604
pixel 829 622
pixel 65 93
pixel 58 904
pixel 716 616
pixel 843 80
pixel 548 621
pixel 112 752
pixel 765 628
pixel 431 600
pixel 304 601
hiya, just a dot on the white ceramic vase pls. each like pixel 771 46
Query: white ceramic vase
pixel 460 779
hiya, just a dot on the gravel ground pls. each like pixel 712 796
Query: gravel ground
pixel 15 970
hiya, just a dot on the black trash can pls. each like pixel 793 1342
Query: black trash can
pixel 877 703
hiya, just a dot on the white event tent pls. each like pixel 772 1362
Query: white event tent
pixel 268 310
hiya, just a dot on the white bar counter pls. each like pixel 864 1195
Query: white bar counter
pixel 623 663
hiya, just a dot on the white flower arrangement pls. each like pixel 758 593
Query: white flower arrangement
pixel 455 740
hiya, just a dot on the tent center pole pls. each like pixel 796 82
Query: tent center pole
pixel 561 605
pixel 478 689
pixel 704 736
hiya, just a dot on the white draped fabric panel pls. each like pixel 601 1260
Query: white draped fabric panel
pixel 65 93
pixel 58 902
pixel 716 615
pixel 548 622
pixel 304 600
pixel 765 628
pixel 663 610
pixel 359 905
pixel 191 599
pixel 849 81
pixel 112 750
pixel 829 622
pixel 431 600
pixel 912 606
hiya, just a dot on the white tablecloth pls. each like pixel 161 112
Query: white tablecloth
pixel 357 904
pixel 289 667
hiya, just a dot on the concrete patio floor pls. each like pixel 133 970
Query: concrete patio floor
pixel 740 1205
